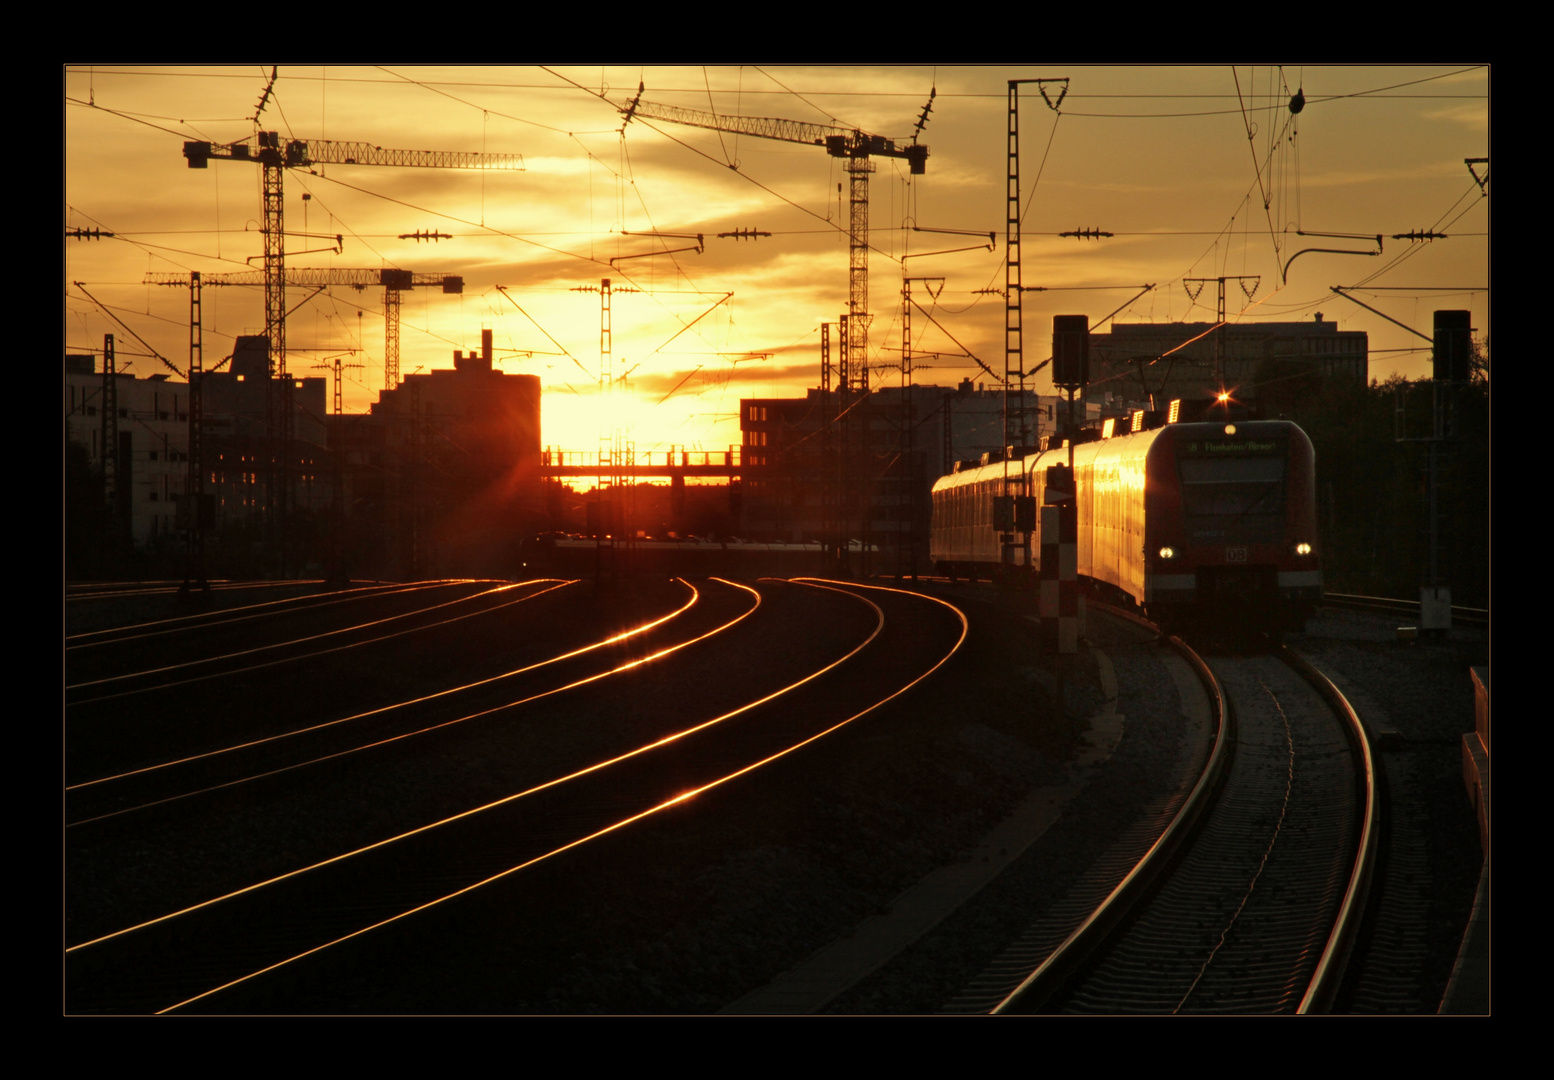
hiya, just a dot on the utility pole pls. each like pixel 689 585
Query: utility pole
pixel 1220 316
pixel 613 450
pixel 338 576
pixel 830 482
pixel 847 421
pixel 908 471
pixel 1012 509
pixel 196 510
pixel 1453 347
pixel 115 498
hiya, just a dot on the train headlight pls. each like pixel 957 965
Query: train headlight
pixel 1168 553
pixel 1303 548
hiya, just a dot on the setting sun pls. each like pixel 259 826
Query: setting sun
pixel 727 247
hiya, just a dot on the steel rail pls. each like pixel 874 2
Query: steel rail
pixel 510 798
pixel 1043 983
pixel 228 672
pixel 379 711
pixel 113 591
pixel 1329 973
pixel 909 680
pixel 607 829
pixel 1468 616
pixel 201 620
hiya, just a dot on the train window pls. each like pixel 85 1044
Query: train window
pixel 1232 486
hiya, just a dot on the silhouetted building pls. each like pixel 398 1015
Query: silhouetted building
pixel 1177 360
pixel 441 477
pixel 151 463
pixel 819 468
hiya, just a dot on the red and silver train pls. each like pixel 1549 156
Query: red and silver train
pixel 1188 520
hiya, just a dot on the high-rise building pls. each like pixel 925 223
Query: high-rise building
pixel 1137 361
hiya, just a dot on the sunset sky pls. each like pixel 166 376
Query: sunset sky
pixel 1159 156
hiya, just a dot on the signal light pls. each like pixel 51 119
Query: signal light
pixel 1168 553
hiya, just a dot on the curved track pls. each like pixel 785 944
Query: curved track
pixel 294 872
pixel 1257 911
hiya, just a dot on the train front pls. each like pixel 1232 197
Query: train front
pixel 1233 532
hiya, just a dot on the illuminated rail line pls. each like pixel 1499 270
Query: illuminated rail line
pixel 1143 949
pixel 293 643
pixel 782 732
pixel 385 710
pixel 1405 609
pixel 100 591
pixel 116 635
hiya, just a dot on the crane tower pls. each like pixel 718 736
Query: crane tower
pixel 393 281
pixel 857 147
pixel 267 150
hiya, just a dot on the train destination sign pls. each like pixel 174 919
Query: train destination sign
pixel 1241 447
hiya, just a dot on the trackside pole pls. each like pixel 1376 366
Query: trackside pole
pixel 1058 604
pixel 1059 574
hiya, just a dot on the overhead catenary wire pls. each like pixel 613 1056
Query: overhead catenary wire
pixel 450 96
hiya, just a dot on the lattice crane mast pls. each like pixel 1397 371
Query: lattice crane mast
pixel 268 150
pixel 393 281
pixel 857 147
pixel 274 156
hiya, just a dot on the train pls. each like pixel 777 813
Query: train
pixel 1189 522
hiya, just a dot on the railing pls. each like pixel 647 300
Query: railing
pixel 678 458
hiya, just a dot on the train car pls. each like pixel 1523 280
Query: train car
pixel 1188 521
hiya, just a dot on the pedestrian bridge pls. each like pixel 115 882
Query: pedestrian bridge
pixel 675 462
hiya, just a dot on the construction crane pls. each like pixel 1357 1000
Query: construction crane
pixel 267 150
pixel 393 281
pixel 857 147
pixel 274 156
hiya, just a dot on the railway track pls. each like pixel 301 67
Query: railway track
pixel 155 657
pixel 1403 609
pixel 1250 899
pixel 303 738
pixel 629 754
pixel 110 607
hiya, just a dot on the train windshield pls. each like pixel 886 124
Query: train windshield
pixel 1232 487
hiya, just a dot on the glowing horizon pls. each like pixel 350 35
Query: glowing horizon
pixel 1375 151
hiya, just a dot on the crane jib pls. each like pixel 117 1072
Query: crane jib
pixel 303 152
pixel 838 143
